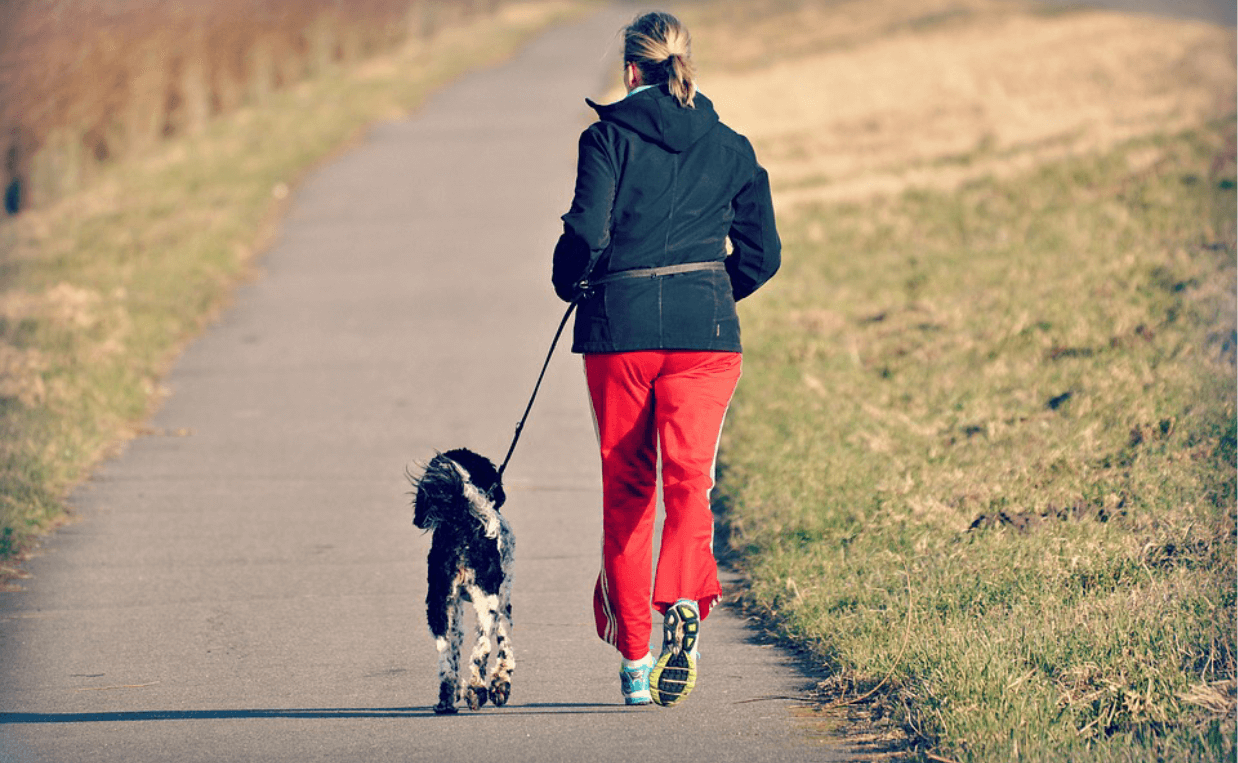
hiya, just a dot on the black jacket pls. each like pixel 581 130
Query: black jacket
pixel 659 184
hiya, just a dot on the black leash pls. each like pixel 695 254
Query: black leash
pixel 584 288
pixel 536 387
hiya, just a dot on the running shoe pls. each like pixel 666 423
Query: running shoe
pixel 634 680
pixel 674 676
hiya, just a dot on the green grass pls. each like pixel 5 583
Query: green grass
pixel 99 291
pixel 985 445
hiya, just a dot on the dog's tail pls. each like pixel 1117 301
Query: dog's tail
pixel 457 482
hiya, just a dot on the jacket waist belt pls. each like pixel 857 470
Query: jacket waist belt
pixel 665 270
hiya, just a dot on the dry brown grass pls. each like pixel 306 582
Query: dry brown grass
pixel 847 100
pixel 84 82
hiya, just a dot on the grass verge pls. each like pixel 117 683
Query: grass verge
pixel 982 463
pixel 984 452
pixel 99 291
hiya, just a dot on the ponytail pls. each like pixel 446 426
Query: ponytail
pixel 661 48
pixel 681 81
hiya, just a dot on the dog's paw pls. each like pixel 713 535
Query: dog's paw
pixel 500 692
pixel 446 699
pixel 476 696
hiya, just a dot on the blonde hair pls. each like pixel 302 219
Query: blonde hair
pixel 661 48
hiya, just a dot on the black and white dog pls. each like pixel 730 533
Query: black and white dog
pixel 458 496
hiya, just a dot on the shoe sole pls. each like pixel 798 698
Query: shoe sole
pixel 674 675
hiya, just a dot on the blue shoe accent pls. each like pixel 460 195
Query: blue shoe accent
pixel 634 682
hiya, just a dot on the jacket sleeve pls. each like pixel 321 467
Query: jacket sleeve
pixel 586 226
pixel 756 250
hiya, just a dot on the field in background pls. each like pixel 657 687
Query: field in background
pixel 982 462
pixel 844 100
pixel 101 287
pixel 85 82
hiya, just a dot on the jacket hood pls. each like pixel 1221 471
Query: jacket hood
pixel 654 114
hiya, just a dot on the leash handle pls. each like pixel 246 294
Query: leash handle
pixel 536 387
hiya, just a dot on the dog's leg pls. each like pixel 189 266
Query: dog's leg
pixel 444 610
pixel 484 604
pixel 456 635
pixel 505 660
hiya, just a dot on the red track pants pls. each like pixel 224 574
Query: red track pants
pixel 642 399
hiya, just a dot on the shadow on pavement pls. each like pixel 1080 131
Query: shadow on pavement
pixel 7 719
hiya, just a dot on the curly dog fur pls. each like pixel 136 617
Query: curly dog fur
pixel 458 496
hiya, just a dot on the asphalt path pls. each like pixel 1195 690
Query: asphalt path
pixel 245 583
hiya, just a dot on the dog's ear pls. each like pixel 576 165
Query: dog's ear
pixel 437 488
pixel 482 473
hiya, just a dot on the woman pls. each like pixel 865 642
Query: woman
pixel 661 186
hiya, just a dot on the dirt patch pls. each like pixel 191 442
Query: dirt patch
pixel 1024 521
